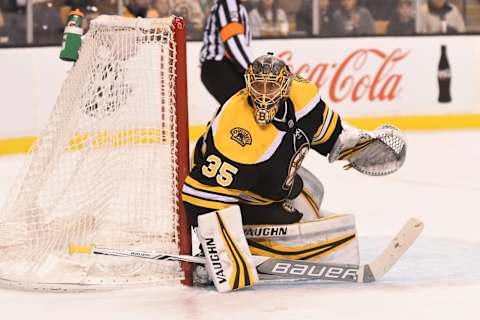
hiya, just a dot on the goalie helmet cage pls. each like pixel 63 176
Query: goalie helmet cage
pixel 108 168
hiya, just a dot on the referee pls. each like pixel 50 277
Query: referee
pixel 225 53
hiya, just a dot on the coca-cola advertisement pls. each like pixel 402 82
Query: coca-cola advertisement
pixel 372 77
pixel 368 74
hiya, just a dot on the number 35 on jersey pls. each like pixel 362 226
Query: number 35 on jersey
pixel 223 172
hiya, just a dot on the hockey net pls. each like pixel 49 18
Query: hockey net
pixel 108 167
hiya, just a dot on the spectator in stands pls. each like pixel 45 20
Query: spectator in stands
pixel 268 20
pixel 88 7
pixel 2 22
pixel 352 19
pixel 78 4
pixel 402 21
pixel 163 8
pixel 304 18
pixel 206 5
pixel 139 8
pixel 440 16
pixel 380 10
pixel 3 37
pixel 47 24
pixel 251 4
pixel 82 5
pixel 107 6
pixel 91 12
pixel 191 11
pixel 14 31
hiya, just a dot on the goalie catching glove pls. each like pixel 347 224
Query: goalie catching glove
pixel 376 153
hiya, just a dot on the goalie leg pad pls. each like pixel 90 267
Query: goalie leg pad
pixel 229 261
pixel 332 239
pixel 309 200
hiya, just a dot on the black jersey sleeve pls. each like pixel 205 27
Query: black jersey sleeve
pixel 327 130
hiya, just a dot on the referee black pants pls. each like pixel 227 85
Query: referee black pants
pixel 222 79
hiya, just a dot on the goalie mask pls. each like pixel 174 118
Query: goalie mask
pixel 268 81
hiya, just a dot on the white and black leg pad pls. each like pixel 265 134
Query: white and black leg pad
pixel 309 201
pixel 332 239
pixel 229 261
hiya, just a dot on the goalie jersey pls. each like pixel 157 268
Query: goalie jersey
pixel 238 161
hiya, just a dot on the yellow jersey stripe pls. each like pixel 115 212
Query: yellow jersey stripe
pixel 214 205
pixel 221 190
pixel 330 130
pixel 324 118
pixel 187 190
pixel 256 199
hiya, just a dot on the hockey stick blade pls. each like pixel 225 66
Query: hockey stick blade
pixel 376 269
pixel 282 269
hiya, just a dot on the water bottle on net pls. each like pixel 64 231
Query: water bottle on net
pixel 72 36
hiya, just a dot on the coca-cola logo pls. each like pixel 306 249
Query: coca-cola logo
pixel 364 74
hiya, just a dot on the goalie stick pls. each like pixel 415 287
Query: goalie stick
pixel 275 269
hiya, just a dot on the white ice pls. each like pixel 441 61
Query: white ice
pixel 438 278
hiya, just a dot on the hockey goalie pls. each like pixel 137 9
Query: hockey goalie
pixel 247 194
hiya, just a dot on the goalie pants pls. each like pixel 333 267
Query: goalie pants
pixel 274 213
pixel 222 79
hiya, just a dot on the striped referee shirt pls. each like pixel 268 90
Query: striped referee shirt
pixel 227 33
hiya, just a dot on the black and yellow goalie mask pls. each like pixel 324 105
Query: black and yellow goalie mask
pixel 268 81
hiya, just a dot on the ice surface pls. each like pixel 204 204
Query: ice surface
pixel 438 278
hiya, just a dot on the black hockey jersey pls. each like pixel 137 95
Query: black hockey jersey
pixel 240 161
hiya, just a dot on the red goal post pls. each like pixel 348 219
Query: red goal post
pixel 183 141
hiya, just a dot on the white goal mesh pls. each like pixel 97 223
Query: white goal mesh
pixel 105 170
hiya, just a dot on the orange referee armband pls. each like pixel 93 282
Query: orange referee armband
pixel 230 30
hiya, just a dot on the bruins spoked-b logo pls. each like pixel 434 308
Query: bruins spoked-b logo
pixel 242 136
pixel 301 145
